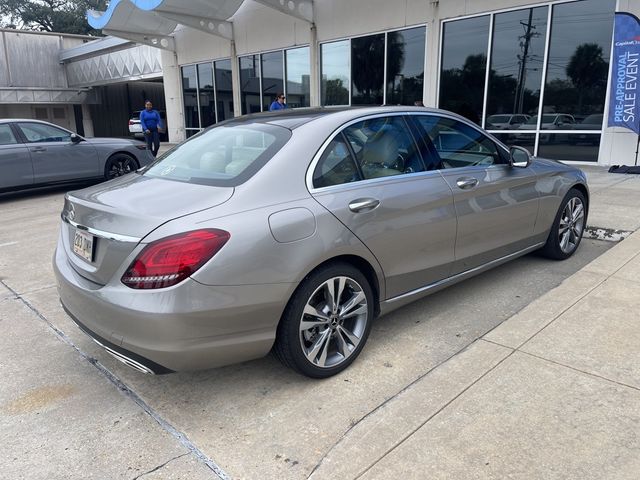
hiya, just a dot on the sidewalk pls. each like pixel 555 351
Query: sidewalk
pixel 553 392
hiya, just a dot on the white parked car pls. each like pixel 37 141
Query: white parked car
pixel 506 121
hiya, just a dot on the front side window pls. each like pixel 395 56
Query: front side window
pixel 40 132
pixel 6 135
pixel 222 156
pixel 336 166
pixel 457 144
pixel 384 147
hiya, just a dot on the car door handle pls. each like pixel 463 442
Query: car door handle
pixel 466 183
pixel 38 149
pixel 363 204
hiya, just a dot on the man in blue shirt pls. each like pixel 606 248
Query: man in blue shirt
pixel 150 121
pixel 278 103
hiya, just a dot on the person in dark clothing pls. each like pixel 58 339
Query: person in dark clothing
pixel 278 103
pixel 150 121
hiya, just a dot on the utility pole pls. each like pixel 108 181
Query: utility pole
pixel 518 104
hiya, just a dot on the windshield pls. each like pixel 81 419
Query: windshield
pixel 224 156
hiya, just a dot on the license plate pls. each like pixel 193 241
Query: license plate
pixel 83 245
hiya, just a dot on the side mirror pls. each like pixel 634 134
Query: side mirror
pixel 75 138
pixel 519 157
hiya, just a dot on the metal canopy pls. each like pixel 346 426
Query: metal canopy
pixel 152 22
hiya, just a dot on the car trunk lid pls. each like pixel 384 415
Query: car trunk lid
pixel 119 214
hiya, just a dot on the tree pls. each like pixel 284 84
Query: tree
pixel 587 70
pixel 63 16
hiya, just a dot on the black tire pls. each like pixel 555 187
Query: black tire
pixel 119 164
pixel 291 341
pixel 554 247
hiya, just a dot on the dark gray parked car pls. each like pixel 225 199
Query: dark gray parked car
pixel 293 230
pixel 35 153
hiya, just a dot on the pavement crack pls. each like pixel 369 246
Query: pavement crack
pixel 181 437
pixel 575 369
pixel 160 466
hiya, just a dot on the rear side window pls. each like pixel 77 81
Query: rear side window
pixel 224 156
pixel 6 135
pixel 336 166
pixel 458 144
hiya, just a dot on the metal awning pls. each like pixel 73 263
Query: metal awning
pixel 152 22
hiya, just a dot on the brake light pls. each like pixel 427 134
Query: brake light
pixel 130 122
pixel 169 261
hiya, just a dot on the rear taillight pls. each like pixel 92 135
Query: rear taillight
pixel 131 122
pixel 168 261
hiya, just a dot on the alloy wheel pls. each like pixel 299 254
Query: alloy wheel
pixel 119 167
pixel 571 225
pixel 333 322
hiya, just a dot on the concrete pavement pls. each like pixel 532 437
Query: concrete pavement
pixel 502 375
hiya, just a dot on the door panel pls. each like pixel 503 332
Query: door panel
pixel 409 225
pixel 496 216
pixel 55 157
pixel 15 160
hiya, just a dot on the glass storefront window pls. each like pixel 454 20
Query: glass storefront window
pixel 224 89
pixel 190 94
pixel 405 66
pixel 335 71
pixel 367 70
pixel 272 77
pixel 515 75
pixel 569 146
pixel 464 64
pixel 298 73
pixel 578 66
pixel 250 84
pixel 206 92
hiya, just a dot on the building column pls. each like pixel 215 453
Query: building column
pixel 618 145
pixel 314 57
pixel 173 96
pixel 235 81
pixel 87 121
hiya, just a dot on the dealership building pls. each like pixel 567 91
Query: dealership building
pixel 535 74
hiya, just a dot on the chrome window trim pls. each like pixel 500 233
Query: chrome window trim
pixel 396 178
pixel 100 233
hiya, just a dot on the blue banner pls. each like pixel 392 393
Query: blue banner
pixel 624 109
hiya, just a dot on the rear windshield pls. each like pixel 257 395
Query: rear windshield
pixel 223 156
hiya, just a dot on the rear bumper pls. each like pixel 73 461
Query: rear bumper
pixel 186 327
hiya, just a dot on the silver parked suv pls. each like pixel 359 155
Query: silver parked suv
pixel 291 231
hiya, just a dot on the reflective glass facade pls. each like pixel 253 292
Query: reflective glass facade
pixel 263 76
pixel 207 94
pixel 546 84
pixel 405 66
pixel 385 68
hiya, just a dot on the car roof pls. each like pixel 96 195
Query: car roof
pixel 294 118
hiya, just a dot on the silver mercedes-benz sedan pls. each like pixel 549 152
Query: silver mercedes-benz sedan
pixel 292 231
pixel 35 153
